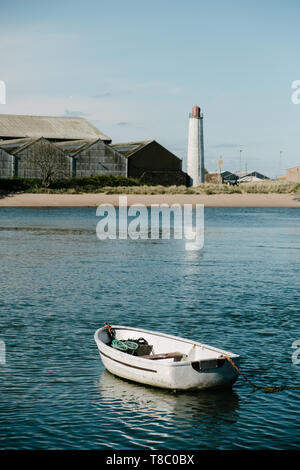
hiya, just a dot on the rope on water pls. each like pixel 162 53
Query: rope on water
pixel 267 388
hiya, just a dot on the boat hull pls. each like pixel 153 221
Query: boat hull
pixel 183 375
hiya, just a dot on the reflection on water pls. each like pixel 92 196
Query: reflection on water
pixel 191 406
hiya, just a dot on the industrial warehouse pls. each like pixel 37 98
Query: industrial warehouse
pixel 79 149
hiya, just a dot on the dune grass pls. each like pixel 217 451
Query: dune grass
pixel 209 188
pixel 118 185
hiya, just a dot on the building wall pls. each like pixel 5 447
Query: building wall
pixel 27 168
pixel 293 174
pixel 153 157
pixel 6 164
pixel 100 159
pixel 214 178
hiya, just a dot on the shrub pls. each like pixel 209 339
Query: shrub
pixel 92 182
pixel 18 184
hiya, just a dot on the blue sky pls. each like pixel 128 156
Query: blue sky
pixel 136 68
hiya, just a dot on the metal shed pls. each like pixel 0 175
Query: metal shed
pixel 152 163
pixel 94 157
pixel 18 153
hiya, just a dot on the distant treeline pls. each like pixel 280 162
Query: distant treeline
pixel 86 184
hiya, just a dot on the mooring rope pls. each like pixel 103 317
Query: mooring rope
pixel 109 329
pixel 266 388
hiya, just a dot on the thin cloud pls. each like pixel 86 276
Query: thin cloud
pixel 106 94
pixel 123 123
pixel 226 146
pixel 69 113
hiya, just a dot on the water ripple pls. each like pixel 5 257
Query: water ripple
pixel 59 284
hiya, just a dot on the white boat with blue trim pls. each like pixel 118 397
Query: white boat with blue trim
pixel 164 361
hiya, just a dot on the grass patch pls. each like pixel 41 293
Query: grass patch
pixel 120 185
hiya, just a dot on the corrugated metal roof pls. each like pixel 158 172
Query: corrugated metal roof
pixel 14 146
pixel 129 148
pixel 72 147
pixel 244 174
pixel 50 127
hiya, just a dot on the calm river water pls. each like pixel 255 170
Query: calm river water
pixel 59 283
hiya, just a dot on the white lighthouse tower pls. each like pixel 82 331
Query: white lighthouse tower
pixel 195 155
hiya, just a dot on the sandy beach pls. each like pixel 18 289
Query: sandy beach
pixel 93 200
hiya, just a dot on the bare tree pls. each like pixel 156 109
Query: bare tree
pixel 49 162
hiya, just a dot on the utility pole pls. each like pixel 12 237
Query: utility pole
pixel 240 150
pixel 220 165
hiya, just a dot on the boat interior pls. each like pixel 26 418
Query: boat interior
pixel 156 346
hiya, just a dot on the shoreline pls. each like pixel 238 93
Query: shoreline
pixel 95 199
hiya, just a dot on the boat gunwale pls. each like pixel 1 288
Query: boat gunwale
pixel 141 360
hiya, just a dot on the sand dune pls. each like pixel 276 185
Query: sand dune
pixel 92 199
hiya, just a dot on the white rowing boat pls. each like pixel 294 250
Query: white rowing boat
pixel 162 360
